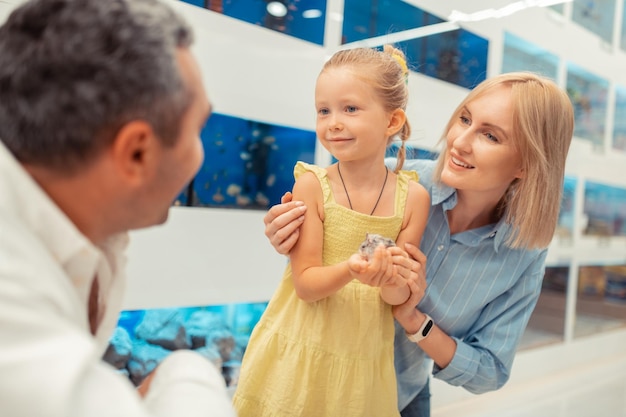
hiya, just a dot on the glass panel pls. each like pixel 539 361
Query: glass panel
pixel 601 303
pixel 622 41
pixel 605 210
pixel 520 55
pixel 370 18
pixel 220 333
pixel 619 121
pixel 565 226
pixel 596 16
pixel 302 19
pixel 459 56
pixel 247 164
pixel 588 93
pixel 547 322
pixel 557 8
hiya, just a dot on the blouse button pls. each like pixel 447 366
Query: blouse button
pixel 440 248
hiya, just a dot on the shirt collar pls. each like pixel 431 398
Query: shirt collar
pixel 446 196
pixel 30 204
pixel 22 198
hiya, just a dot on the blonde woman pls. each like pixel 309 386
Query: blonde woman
pixel 495 196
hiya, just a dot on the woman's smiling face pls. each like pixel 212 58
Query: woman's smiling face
pixel 480 154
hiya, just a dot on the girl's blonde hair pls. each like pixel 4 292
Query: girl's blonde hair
pixel 543 125
pixel 387 72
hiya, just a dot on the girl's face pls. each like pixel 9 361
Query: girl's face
pixel 351 122
pixel 480 155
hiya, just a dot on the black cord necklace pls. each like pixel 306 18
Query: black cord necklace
pixel 348 195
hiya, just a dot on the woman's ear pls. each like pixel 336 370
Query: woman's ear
pixel 397 118
pixel 134 151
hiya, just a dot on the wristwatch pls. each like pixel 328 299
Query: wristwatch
pixel 423 331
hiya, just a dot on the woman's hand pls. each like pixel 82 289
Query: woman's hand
pixel 282 223
pixel 406 314
pixel 413 268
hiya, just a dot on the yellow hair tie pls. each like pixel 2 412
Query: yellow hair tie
pixel 402 62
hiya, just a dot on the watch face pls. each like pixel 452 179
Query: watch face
pixel 427 328
pixel 424 331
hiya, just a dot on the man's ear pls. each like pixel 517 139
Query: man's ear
pixel 396 121
pixel 134 151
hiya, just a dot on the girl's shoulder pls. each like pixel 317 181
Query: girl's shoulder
pixel 302 167
pixel 418 196
pixel 311 182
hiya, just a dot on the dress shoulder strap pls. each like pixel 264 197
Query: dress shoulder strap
pixel 402 188
pixel 321 174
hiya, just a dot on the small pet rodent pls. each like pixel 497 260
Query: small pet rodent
pixel 371 242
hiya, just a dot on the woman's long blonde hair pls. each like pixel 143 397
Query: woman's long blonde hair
pixel 543 125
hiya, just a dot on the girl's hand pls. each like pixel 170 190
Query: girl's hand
pixel 282 223
pixel 379 270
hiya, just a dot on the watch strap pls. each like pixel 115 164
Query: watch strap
pixel 423 331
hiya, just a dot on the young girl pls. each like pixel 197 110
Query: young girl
pixel 324 346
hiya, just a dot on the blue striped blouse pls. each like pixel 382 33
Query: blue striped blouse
pixel 479 291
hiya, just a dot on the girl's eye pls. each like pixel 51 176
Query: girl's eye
pixel 322 112
pixel 465 120
pixel 351 109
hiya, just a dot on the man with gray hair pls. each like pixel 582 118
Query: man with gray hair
pixel 101 108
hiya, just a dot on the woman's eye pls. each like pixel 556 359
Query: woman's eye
pixel 491 137
pixel 464 120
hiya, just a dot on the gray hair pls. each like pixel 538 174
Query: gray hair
pixel 73 72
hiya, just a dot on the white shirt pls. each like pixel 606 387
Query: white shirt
pixel 50 363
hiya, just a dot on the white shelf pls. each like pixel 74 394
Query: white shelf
pixel 587 250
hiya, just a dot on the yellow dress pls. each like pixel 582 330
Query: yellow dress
pixel 332 357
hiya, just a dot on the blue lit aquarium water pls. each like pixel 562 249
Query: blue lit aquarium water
pixel 247 164
pixel 619 119
pixel 605 208
pixel 565 225
pixel 220 333
pixel 597 16
pixel 588 93
pixel 458 56
pixel 303 19
pixel 521 55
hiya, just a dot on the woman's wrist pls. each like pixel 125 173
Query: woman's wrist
pixel 413 323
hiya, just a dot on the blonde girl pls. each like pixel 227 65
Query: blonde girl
pixel 324 346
